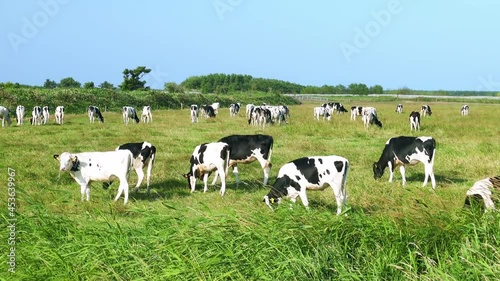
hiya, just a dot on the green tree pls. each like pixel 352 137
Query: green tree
pixel 376 89
pixel 88 85
pixel 69 82
pixel 132 78
pixel 106 85
pixel 49 84
pixel 358 89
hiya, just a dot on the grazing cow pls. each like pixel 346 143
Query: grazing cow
pixel 234 109
pixel 216 107
pixel 425 110
pixel 399 108
pixel 340 108
pixel 206 158
pixel 147 116
pixel 401 151
pixel 87 167
pixel 322 111
pixel 194 113
pixel 314 173
pixel 370 116
pixel 465 110
pixel 144 154
pixel 4 114
pixel 129 112
pixel 36 114
pixel 59 115
pixel 208 111
pixel 356 111
pixel 20 115
pixel 286 112
pixel 414 121
pixel 248 110
pixel 93 112
pixel 482 190
pixel 260 116
pixel 45 114
pixel 246 149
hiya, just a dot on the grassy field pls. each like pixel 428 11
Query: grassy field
pixel 389 232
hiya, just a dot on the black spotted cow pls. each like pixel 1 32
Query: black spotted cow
pixel 129 112
pixel 36 115
pixel 207 158
pixel 486 190
pixel 356 111
pixel 5 116
pixel 246 149
pixel 414 121
pixel 208 111
pixel 402 151
pixel 313 173
pixel 370 117
pixel 234 109
pixel 465 110
pixel 144 155
pixel 93 112
pixel 399 108
pixel 425 110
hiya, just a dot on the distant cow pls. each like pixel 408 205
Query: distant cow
pixel 94 112
pixel 260 116
pixel 45 114
pixel 399 108
pixel 248 110
pixel 370 117
pixel 401 151
pixel 36 115
pixel 144 154
pixel 322 111
pixel 356 111
pixel 425 110
pixel 59 115
pixel 129 112
pixel 216 107
pixel 313 173
pixel 208 111
pixel 20 115
pixel 414 121
pixel 194 113
pixel 88 167
pixel 465 110
pixel 234 109
pixel 484 190
pixel 246 149
pixel 207 158
pixel 147 115
pixel 4 114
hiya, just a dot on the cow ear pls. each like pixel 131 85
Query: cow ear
pixel 56 156
pixel 74 158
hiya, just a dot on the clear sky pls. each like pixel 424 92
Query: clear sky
pixel 427 45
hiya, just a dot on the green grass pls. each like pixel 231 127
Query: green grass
pixel 389 232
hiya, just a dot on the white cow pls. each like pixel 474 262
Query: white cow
pixel 4 114
pixel 129 112
pixel 87 167
pixel 147 116
pixel 144 155
pixel 399 108
pixel 483 188
pixel 36 115
pixel 59 115
pixel 20 115
pixel 370 116
pixel 465 110
pixel 216 107
pixel 207 158
pixel 45 114
pixel 248 110
pixel 194 113
pixel 234 109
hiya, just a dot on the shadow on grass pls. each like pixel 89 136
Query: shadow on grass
pixel 443 178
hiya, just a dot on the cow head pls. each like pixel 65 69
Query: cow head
pixel 378 171
pixel 67 161
pixel 191 177
pixel 277 192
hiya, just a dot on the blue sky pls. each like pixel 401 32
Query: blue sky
pixel 427 45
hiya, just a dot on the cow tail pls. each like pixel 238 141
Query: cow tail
pixel 228 153
pixel 152 155
pixel 344 182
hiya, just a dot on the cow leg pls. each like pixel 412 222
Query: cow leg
pixel 303 197
pixel 148 176
pixel 402 171
pixel 205 181
pixel 222 180
pixel 215 177
pixel 340 197
pixel 140 177
pixel 235 173
pixel 391 171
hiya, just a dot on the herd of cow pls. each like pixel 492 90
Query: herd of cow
pixel 293 179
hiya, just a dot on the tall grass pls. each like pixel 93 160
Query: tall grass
pixel 389 231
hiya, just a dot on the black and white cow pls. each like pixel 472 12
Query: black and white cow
pixel 465 110
pixel 144 154
pixel 425 110
pixel 129 112
pixel 147 115
pixel 260 116
pixel 36 115
pixel 313 173
pixel 216 107
pixel 45 114
pixel 94 112
pixel 88 167
pixel 340 108
pixel 246 149
pixel 207 158
pixel 194 113
pixel 403 150
pixel 399 108
pixel 414 121
pixel 322 111
pixel 486 190
pixel 5 115
pixel 20 115
pixel 370 117
pixel 208 111
pixel 234 109
pixel 356 111
pixel 248 110
pixel 59 115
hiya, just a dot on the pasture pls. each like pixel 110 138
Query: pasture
pixel 389 232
